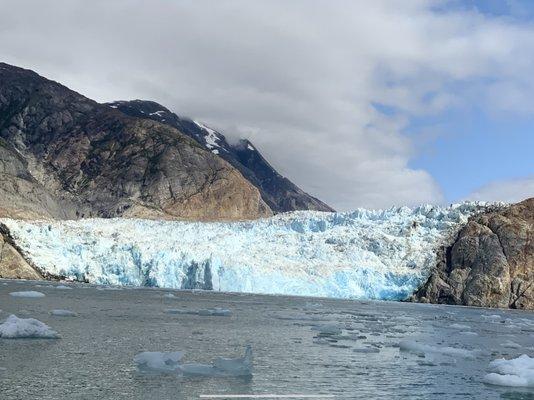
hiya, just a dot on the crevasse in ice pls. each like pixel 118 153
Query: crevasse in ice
pixel 383 254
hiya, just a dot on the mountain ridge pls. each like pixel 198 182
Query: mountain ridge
pixel 65 156
pixel 280 194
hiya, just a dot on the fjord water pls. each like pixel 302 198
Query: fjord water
pixel 93 357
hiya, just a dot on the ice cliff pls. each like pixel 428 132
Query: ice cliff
pixel 383 254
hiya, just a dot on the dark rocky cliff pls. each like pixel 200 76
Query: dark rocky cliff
pixel 278 192
pixel 489 264
pixel 63 155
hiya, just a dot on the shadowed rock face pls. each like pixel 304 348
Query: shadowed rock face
pixel 65 156
pixel 489 264
pixel 12 264
pixel 278 192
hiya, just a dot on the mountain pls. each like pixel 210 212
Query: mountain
pixel 490 263
pixel 65 156
pixel 279 193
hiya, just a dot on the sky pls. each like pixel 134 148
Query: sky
pixel 362 104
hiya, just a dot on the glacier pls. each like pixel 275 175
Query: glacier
pixel 364 254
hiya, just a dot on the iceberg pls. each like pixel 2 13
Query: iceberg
pixel 364 254
pixel 517 372
pixel 18 328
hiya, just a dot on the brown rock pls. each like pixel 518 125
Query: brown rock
pixel 489 264
pixel 12 264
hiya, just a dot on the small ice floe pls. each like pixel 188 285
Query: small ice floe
pixel 366 350
pixel 215 312
pixel 63 313
pixel 27 294
pixel 169 295
pixel 170 363
pixel 15 328
pixel 63 287
pixel 327 329
pixel 459 326
pixel 221 366
pixel 425 349
pixel 155 361
pixel 511 345
pixel 518 372
pixel 468 333
pixel 312 306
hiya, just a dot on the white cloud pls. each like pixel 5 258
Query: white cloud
pixel 298 78
pixel 511 191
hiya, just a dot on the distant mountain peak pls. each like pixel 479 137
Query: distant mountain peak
pixel 277 191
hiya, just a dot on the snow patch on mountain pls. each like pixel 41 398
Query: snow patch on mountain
pixel 383 254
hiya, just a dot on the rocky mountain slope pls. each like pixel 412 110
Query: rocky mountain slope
pixel 63 155
pixel 489 264
pixel 278 192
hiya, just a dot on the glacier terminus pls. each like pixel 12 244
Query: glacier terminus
pixel 364 254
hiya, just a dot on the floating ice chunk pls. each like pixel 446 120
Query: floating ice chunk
pixel 327 329
pixel 241 366
pixel 169 295
pixel 14 328
pixel 155 361
pixel 459 326
pixel 366 350
pixel 493 317
pixel 218 312
pixel 63 313
pixel 515 372
pixel 63 287
pixel 236 366
pixel 426 349
pixel 511 345
pixel 468 333
pixel 27 294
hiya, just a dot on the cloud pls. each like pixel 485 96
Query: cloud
pixel 511 191
pixel 302 79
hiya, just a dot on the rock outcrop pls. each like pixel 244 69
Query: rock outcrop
pixel 489 264
pixel 63 155
pixel 12 264
pixel 278 192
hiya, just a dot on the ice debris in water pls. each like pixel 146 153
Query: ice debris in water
pixel 155 361
pixel 15 328
pixel 327 329
pixel 205 312
pixel 517 372
pixel 63 287
pixel 63 313
pixel 380 254
pixel 170 362
pixel 425 349
pixel 27 294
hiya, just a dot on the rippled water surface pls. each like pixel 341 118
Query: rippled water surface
pixel 93 358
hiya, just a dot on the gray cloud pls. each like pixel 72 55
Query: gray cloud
pixel 298 78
